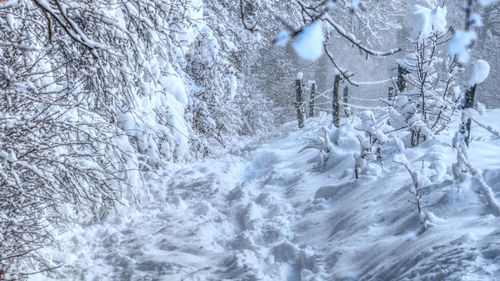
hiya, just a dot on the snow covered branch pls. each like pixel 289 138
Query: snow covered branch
pixel 347 76
pixel 352 39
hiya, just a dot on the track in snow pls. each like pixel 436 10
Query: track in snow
pixel 227 219
pixel 265 212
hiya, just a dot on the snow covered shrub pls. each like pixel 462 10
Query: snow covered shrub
pixel 427 106
pixel 370 142
pixel 363 142
pixel 420 185
pixel 228 68
pixel 156 36
pixel 322 144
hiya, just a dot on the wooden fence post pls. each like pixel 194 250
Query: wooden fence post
pixel 401 83
pixel 300 100
pixel 390 94
pixel 336 102
pixel 469 103
pixel 345 106
pixel 311 99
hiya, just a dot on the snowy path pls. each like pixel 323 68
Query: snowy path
pixel 265 212
pixel 227 219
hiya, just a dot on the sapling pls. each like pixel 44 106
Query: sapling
pixel 425 88
pixel 420 184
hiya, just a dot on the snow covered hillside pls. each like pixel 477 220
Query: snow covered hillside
pixel 277 209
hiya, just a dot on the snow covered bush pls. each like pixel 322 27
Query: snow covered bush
pixel 370 142
pixel 323 145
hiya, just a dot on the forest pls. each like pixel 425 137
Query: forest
pixel 249 140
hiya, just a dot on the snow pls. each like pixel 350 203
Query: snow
pixel 300 76
pixel 354 5
pixel 460 43
pixel 330 5
pixel 481 108
pixel 487 2
pixel 282 38
pixel 425 21
pixel 476 20
pixel 281 206
pixel 309 42
pixel 477 72
pixel 8 3
pixel 174 85
pixel 11 21
pixel 269 211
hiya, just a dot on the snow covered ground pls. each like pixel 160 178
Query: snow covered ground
pixel 268 211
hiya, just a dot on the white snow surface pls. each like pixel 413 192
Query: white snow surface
pixel 268 211
pixel 309 43
pixel 477 72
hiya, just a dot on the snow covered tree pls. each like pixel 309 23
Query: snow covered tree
pixel 427 106
pixel 91 93
pixel 58 149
